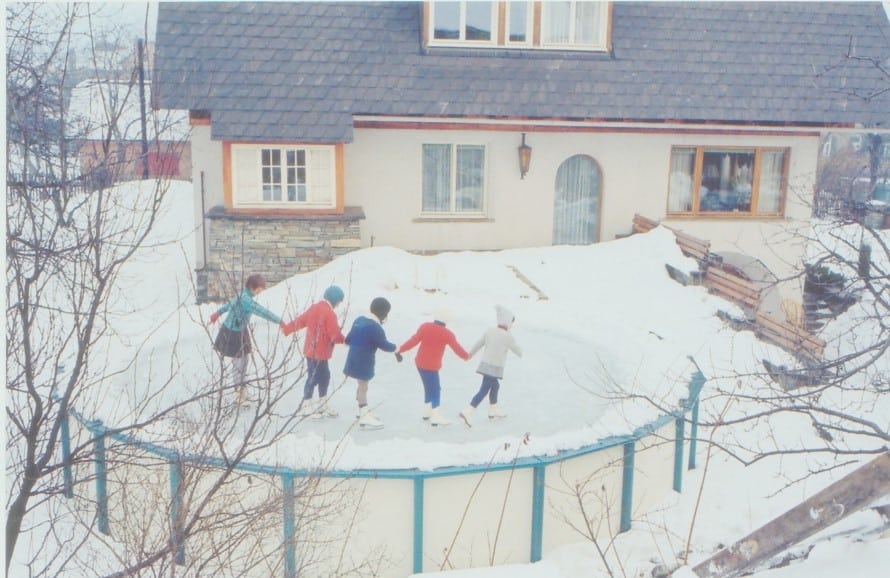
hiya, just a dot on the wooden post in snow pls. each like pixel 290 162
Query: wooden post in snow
pixel 842 498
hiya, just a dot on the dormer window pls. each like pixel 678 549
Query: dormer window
pixel 553 25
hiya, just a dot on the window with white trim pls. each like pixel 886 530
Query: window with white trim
pixel 737 181
pixel 560 25
pixel 276 176
pixel 453 179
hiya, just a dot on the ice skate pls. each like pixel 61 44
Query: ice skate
pixel 467 415
pixel 495 412
pixel 436 418
pixel 307 409
pixel 325 410
pixel 427 411
pixel 368 420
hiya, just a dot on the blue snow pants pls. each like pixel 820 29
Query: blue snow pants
pixel 490 386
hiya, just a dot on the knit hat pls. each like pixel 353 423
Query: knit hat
pixel 333 295
pixel 504 316
pixel 380 308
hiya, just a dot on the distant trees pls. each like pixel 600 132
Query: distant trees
pixel 72 304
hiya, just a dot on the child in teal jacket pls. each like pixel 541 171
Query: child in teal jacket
pixel 233 340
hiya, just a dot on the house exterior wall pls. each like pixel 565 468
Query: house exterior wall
pixel 232 246
pixel 207 162
pixel 276 247
pixel 385 191
pixel 634 167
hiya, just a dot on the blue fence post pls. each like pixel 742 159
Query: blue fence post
pixel 696 384
pixel 176 512
pixel 418 524
pixel 693 435
pixel 290 531
pixel 101 485
pixel 66 457
pixel 678 454
pixel 627 486
pixel 538 512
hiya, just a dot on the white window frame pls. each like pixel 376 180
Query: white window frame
pixel 453 213
pixel 535 27
pixel 461 40
pixel 247 176
pixel 756 183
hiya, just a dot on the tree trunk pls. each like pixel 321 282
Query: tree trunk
pixel 842 498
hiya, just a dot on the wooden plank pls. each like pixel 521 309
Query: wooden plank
pixel 732 283
pixel 643 224
pixel 791 331
pixel 698 248
pixel 846 496
pixel 792 337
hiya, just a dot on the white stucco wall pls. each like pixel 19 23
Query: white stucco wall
pixel 383 177
pixel 207 161
pixel 382 173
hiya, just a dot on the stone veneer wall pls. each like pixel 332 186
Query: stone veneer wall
pixel 278 246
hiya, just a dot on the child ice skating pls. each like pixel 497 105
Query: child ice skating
pixel 432 337
pixel 497 341
pixel 322 333
pixel 364 339
pixel 233 340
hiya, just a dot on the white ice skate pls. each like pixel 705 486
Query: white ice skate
pixel 324 409
pixel 436 418
pixel 427 411
pixel 467 415
pixel 368 420
pixel 308 408
pixel 495 412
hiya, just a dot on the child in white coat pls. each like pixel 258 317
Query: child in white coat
pixel 497 341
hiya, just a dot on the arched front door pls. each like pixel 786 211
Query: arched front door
pixel 576 205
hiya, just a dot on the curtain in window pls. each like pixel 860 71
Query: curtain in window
pixel 576 202
pixel 436 178
pixel 470 176
pixel 587 22
pixel 557 20
pixel 772 165
pixel 680 191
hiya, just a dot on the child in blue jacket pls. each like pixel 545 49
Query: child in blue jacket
pixel 364 339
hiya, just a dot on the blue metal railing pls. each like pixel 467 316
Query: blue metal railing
pixel 289 475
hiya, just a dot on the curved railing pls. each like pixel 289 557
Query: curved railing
pixel 633 465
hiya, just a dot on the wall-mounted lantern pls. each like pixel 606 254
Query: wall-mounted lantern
pixel 525 158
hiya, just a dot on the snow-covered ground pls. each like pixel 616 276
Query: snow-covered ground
pixel 593 322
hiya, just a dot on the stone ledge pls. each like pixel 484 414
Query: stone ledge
pixel 221 213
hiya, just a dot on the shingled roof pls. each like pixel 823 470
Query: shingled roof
pixel 299 71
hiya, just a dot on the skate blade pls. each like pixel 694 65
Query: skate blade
pixel 370 427
pixel 465 420
pixel 496 417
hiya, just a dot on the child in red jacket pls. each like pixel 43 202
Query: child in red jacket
pixel 322 332
pixel 433 337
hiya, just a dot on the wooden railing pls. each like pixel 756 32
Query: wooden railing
pixel 730 284
pixel 691 246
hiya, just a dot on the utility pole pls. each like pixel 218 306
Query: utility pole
pixel 142 112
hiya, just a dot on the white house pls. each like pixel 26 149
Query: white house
pixel 321 127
